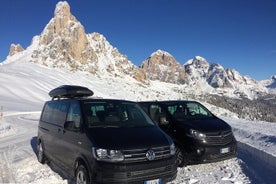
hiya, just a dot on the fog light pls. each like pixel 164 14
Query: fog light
pixel 199 151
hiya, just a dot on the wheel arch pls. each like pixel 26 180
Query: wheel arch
pixel 82 160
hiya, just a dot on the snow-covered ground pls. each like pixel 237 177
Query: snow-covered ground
pixel 24 87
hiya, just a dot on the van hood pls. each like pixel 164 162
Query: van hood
pixel 128 138
pixel 205 125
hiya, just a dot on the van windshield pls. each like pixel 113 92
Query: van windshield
pixel 188 110
pixel 115 114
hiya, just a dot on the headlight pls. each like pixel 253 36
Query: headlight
pixel 172 149
pixel 197 135
pixel 107 155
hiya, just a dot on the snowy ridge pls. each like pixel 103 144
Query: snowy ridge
pixel 223 81
pixel 270 83
pixel 63 43
pixel 109 58
pixel 161 52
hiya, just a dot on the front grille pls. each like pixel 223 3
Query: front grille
pixel 138 172
pixel 150 172
pixel 219 138
pixel 139 155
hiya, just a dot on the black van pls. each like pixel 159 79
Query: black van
pixel 103 140
pixel 199 136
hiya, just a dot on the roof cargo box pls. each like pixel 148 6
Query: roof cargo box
pixel 68 91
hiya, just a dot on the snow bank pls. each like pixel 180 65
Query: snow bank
pixel 258 134
pixel 5 129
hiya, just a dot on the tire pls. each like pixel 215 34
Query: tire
pixel 82 175
pixel 181 159
pixel 41 155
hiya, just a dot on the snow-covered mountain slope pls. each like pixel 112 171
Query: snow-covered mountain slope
pixel 63 43
pixel 23 84
pixel 270 83
pixel 199 74
pixel 227 81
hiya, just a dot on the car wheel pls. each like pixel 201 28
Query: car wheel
pixel 41 155
pixel 82 176
pixel 180 157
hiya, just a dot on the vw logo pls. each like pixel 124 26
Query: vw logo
pixel 150 155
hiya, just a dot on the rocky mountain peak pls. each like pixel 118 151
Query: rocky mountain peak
pixel 62 8
pixel 63 17
pixel 161 53
pixel 163 66
pixel 14 49
pixel 163 58
pixel 63 42
pixel 199 62
pixel 270 83
pixel 111 60
pixel 214 74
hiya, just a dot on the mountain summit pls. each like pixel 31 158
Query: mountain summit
pixel 162 66
pixel 63 43
pixel 14 49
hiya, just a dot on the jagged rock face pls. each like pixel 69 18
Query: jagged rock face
pixel 111 60
pixel 162 66
pixel 197 68
pixel 14 49
pixel 64 41
pixel 218 77
pixel 214 74
pixel 270 83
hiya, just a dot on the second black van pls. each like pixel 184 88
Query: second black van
pixel 199 135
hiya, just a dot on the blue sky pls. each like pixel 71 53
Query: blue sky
pixel 238 34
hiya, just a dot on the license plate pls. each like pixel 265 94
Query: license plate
pixel 156 181
pixel 224 150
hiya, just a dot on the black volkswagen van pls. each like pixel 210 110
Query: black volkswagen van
pixel 103 140
pixel 199 136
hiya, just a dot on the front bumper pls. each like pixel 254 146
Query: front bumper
pixel 206 154
pixel 116 173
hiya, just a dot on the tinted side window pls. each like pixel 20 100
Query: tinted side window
pixel 74 114
pixel 55 112
pixel 172 109
pixel 179 111
pixel 197 109
pixel 154 112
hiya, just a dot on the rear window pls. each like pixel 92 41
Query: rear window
pixel 55 112
pixel 115 114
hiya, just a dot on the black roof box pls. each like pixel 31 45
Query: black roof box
pixel 69 91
